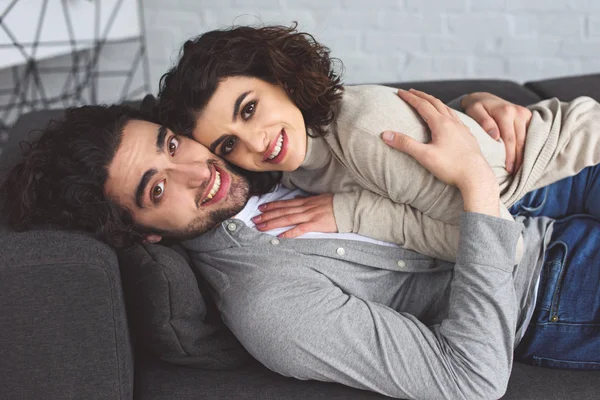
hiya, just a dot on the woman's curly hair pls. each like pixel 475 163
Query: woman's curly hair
pixel 60 180
pixel 276 54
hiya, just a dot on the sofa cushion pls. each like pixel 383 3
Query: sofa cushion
pixel 168 313
pixel 156 380
pixel 450 90
pixel 568 88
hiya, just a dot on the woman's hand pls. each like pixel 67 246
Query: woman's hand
pixel 453 155
pixel 309 214
pixel 500 119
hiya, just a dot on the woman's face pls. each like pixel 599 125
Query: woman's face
pixel 254 125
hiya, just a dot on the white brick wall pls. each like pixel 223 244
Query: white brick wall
pixel 403 40
pixel 400 40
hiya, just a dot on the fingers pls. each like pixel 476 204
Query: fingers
pixel 425 109
pixel 507 127
pixel 404 143
pixel 483 118
pixel 437 103
pixel 314 209
pixel 286 212
pixel 275 205
pixel 520 135
pixel 281 221
pixel 296 231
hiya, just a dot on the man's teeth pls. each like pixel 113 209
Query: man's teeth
pixel 277 148
pixel 215 188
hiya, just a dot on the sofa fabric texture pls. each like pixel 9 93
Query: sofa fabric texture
pixel 80 321
pixel 168 314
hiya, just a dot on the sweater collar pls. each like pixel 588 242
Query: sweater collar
pixel 317 153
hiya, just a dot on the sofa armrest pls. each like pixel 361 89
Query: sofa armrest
pixel 63 326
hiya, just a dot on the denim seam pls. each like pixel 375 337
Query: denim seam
pixel 540 358
pixel 559 282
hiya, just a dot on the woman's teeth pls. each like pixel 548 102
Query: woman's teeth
pixel 277 148
pixel 215 188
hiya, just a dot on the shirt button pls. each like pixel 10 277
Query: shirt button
pixel 274 241
pixel 231 226
pixel 401 264
pixel 341 251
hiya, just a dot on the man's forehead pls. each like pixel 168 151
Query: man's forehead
pixel 133 157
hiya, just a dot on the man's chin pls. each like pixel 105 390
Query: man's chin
pixel 237 198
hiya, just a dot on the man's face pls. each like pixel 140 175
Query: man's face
pixel 172 184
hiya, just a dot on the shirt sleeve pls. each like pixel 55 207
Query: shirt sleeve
pixel 312 329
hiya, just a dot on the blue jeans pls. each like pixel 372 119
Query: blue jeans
pixel 565 328
pixel 579 194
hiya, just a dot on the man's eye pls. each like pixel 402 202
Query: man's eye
pixel 228 146
pixel 158 190
pixel 173 145
pixel 248 111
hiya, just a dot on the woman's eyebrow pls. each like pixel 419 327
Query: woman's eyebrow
pixel 238 103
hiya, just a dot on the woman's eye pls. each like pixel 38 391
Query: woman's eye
pixel 248 110
pixel 173 145
pixel 158 190
pixel 228 146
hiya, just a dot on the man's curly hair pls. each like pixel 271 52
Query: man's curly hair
pixel 276 54
pixel 60 179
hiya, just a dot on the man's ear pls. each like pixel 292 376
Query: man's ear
pixel 152 239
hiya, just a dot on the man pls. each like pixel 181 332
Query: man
pixel 364 314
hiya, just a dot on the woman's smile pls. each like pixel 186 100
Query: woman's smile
pixel 278 149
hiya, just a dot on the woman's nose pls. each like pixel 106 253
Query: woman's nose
pixel 258 142
pixel 192 174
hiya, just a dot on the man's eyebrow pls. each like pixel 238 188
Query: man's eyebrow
pixel 141 187
pixel 161 134
pixel 238 103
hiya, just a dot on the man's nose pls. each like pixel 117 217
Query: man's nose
pixel 192 174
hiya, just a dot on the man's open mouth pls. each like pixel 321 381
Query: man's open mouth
pixel 219 185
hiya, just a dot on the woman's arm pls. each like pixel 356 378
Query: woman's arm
pixel 501 119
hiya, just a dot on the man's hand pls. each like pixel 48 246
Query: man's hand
pixel 453 155
pixel 500 119
pixel 309 214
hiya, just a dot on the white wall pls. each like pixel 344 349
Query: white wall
pixel 402 40
pixel 389 40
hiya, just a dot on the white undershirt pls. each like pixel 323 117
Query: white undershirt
pixel 283 193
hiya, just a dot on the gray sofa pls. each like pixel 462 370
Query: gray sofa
pixel 81 321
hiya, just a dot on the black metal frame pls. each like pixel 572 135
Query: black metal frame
pixel 83 74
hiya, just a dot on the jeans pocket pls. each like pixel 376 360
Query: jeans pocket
pixel 547 362
pixel 531 203
pixel 552 280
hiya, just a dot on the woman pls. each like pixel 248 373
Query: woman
pixel 269 99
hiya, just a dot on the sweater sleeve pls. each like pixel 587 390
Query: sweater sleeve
pixel 377 217
pixel 398 177
pixel 310 328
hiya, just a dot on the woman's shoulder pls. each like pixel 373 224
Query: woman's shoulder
pixel 375 108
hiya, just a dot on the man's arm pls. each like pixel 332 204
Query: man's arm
pixel 308 328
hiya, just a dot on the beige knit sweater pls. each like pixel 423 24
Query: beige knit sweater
pixel 385 194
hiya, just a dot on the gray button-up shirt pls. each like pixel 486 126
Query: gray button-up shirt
pixel 374 317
